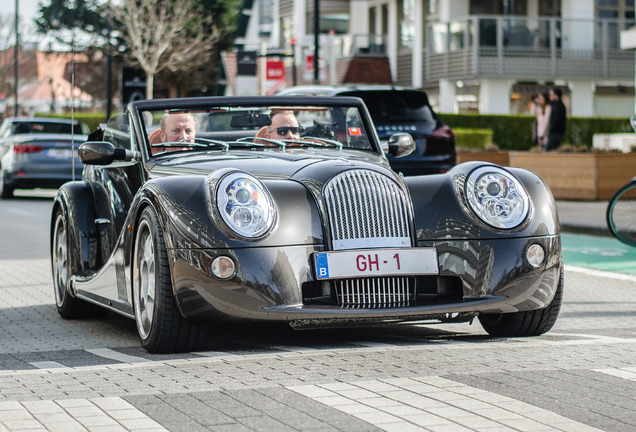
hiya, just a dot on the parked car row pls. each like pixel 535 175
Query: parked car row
pixel 39 153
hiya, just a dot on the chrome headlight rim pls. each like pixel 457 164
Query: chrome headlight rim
pixel 245 205
pixel 497 197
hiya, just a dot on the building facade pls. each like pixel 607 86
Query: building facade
pixel 487 56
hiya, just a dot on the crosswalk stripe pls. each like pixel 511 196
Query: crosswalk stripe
pixel 114 355
pixel 47 365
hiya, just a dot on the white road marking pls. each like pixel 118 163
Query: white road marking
pixel 48 365
pixel 433 402
pixel 107 413
pixel 114 355
pixel 599 273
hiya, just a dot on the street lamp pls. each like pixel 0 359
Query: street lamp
pixel 316 41
pixel 15 64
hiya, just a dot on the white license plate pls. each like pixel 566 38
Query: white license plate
pixel 376 262
pixel 60 153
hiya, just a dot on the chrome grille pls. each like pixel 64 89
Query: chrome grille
pixel 375 292
pixel 366 209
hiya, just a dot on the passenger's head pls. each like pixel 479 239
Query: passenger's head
pixel 284 126
pixel 555 94
pixel 178 127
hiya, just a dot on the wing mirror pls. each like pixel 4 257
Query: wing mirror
pixel 399 145
pixel 103 153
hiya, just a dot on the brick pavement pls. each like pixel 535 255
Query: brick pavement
pixel 92 375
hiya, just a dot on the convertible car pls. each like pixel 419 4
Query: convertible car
pixel 314 230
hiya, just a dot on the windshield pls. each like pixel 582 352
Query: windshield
pixel 256 128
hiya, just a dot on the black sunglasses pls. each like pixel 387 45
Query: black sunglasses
pixel 285 129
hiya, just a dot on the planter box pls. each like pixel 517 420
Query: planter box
pixel 496 157
pixel 579 176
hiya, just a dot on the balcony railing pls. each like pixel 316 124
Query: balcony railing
pixel 496 46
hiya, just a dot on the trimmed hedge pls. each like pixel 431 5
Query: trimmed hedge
pixel 473 138
pixel 508 132
pixel 515 132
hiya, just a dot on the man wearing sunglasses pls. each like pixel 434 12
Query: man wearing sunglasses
pixel 284 126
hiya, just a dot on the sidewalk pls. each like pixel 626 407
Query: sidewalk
pixel 586 217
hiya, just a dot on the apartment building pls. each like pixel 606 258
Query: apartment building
pixel 487 56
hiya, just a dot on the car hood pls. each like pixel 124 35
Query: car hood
pixel 270 164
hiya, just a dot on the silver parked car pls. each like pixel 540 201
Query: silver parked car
pixel 40 125
pixel 31 161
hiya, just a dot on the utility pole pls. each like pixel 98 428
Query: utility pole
pixel 15 63
pixel 316 41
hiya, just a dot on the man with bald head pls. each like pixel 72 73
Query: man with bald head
pixel 178 127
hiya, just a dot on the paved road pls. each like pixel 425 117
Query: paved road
pixel 93 375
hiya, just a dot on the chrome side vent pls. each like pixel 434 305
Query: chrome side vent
pixel 366 209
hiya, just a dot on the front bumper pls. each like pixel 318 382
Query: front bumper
pixel 491 276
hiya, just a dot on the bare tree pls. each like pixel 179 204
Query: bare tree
pixel 166 34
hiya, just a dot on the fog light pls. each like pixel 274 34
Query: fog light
pixel 223 267
pixel 535 255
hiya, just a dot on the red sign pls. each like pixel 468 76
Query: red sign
pixel 275 70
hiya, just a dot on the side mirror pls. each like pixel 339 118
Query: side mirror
pixel 400 145
pixel 102 153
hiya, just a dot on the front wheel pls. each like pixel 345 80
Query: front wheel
pixel 620 214
pixel 526 323
pixel 67 306
pixel 6 191
pixel 160 325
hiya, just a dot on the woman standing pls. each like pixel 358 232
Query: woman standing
pixel 541 112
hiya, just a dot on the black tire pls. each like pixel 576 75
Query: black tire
pixel 526 323
pixel 620 214
pixel 160 326
pixel 6 191
pixel 61 267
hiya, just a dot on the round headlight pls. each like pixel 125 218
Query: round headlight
pixel 497 197
pixel 245 205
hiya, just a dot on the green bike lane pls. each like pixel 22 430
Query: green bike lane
pixel 600 253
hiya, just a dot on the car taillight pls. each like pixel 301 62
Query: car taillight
pixel 27 148
pixel 443 132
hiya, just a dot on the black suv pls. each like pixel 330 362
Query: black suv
pixel 399 109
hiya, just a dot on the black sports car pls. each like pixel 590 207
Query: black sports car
pixel 314 230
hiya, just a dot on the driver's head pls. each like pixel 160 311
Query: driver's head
pixel 178 127
pixel 284 126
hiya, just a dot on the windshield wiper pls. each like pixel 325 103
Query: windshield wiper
pixel 206 143
pixel 260 142
pixel 311 141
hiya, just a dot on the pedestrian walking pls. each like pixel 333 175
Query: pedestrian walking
pixel 541 110
pixel 557 122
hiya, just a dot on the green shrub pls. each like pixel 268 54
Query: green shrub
pixel 515 132
pixel 473 138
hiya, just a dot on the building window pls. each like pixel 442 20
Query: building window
pixel 406 22
pixel 550 8
pixel 500 7
pixel 616 9
pixel 614 16
pixel 373 19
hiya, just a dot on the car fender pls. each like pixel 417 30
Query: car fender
pixel 190 218
pixel 442 211
pixel 76 201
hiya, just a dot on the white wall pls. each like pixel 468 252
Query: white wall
pixel 494 96
pixel 578 35
pixel 447 95
pixel 452 9
pixel 581 98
